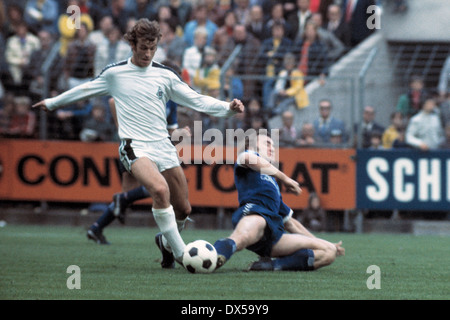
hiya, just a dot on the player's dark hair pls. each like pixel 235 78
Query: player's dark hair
pixel 143 29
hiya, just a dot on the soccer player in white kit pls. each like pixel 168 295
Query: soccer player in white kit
pixel 140 88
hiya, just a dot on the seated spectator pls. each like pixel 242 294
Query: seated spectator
pixel 233 86
pixel 269 60
pixel 245 60
pixel 22 124
pixel 254 110
pixel 325 123
pixel 144 9
pixel 17 55
pixel 34 69
pixel 14 18
pixel 411 102
pixel 424 129
pixel 392 132
pixel 200 20
pixel 215 11
pixel 96 127
pixel 79 64
pixel 277 16
pixel 100 34
pixel 375 141
pixel 288 89
pixel 69 120
pixel 242 10
pixel 313 53
pixel 307 135
pixel 41 15
pixel 288 135
pixel 119 13
pixel 368 126
pixel 225 31
pixel 182 10
pixel 193 55
pixel 356 14
pixel 400 141
pixel 313 216
pixel 172 44
pixel 208 74
pixel 336 138
pixel 298 18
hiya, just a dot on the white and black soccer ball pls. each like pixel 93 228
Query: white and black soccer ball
pixel 200 257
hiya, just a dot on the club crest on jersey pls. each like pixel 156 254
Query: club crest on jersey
pixel 160 93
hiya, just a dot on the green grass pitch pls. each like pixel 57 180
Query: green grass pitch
pixel 34 262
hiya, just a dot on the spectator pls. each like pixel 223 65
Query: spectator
pixel 312 52
pixel 17 55
pixel 232 86
pixel 79 65
pixel 67 29
pixel 181 10
pixel 325 123
pixel 101 34
pixel 307 138
pixel 446 143
pixel 242 10
pixel 6 114
pixel 269 61
pixel 313 216
pixel 225 32
pixel 144 9
pixel 208 74
pixel 357 15
pixel 392 132
pixel 97 127
pixel 334 46
pixel 424 129
pixel 23 121
pixel 400 141
pixel 254 110
pixel 368 126
pixel 256 26
pixel 193 55
pixel 215 11
pixel 13 20
pixel 298 19
pixel 119 14
pixel 289 137
pixel 338 26
pixel 34 68
pixel 336 138
pixel 277 16
pixel 289 89
pixel 172 45
pixel 444 85
pixel 411 102
pixel 245 60
pixel 112 50
pixel 201 20
pixel 376 141
pixel 41 14
pixel 69 120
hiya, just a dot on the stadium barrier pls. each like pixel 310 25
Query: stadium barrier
pixel 71 171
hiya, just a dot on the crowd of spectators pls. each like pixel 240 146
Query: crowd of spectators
pixel 284 44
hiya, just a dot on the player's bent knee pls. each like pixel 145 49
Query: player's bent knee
pixel 160 193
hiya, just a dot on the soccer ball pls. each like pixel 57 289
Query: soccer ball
pixel 200 257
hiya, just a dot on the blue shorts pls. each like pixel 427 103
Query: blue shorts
pixel 272 233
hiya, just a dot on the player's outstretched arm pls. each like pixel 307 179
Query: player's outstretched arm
pixel 40 105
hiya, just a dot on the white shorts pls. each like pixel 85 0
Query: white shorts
pixel 163 153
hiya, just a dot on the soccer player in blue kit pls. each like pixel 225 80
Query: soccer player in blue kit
pixel 263 223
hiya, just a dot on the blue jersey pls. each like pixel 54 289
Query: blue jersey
pixel 260 189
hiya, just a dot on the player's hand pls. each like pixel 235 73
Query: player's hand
pixel 293 186
pixel 340 250
pixel 40 105
pixel 237 106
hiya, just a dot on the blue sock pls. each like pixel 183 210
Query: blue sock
pixel 301 260
pixel 225 247
pixel 135 194
pixel 106 218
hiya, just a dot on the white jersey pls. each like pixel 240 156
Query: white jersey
pixel 140 95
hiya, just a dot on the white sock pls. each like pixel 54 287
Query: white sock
pixel 180 224
pixel 165 219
